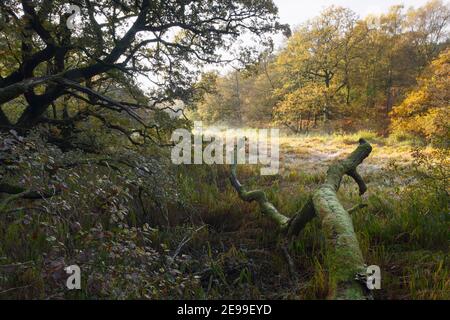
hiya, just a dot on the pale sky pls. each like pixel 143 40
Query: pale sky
pixel 295 12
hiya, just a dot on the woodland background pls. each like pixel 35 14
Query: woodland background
pixel 85 170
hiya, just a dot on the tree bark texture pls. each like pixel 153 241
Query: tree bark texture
pixel 344 259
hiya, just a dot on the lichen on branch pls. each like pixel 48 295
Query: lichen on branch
pixel 344 259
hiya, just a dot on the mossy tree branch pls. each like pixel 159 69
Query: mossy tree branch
pixel 344 257
pixel 260 197
pixel 16 192
pixel 24 193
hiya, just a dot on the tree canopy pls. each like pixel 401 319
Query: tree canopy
pixel 426 109
pixel 338 66
pixel 94 70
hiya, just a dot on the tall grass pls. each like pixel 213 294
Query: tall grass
pixel 227 249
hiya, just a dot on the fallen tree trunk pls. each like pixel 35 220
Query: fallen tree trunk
pixel 343 252
pixel 16 192
pixel 344 259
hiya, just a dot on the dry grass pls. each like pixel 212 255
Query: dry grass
pixel 404 229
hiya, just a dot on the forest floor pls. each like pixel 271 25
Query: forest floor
pixel 316 153
pixel 404 229
pixel 215 246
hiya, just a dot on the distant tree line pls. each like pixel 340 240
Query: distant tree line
pixel 335 66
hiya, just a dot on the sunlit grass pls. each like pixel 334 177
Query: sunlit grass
pixel 234 251
pixel 403 230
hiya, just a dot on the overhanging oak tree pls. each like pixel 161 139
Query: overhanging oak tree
pixel 43 63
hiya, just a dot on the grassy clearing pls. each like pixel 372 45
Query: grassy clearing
pixel 404 229
pixel 214 246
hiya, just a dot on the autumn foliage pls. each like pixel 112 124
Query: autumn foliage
pixel 426 110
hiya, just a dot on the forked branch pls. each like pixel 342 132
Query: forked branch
pixel 267 208
pixel 344 257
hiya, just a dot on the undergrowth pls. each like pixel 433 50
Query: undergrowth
pixel 195 239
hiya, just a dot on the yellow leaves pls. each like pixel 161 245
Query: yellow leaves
pixel 308 99
pixel 436 123
pixel 426 110
pixel 415 102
